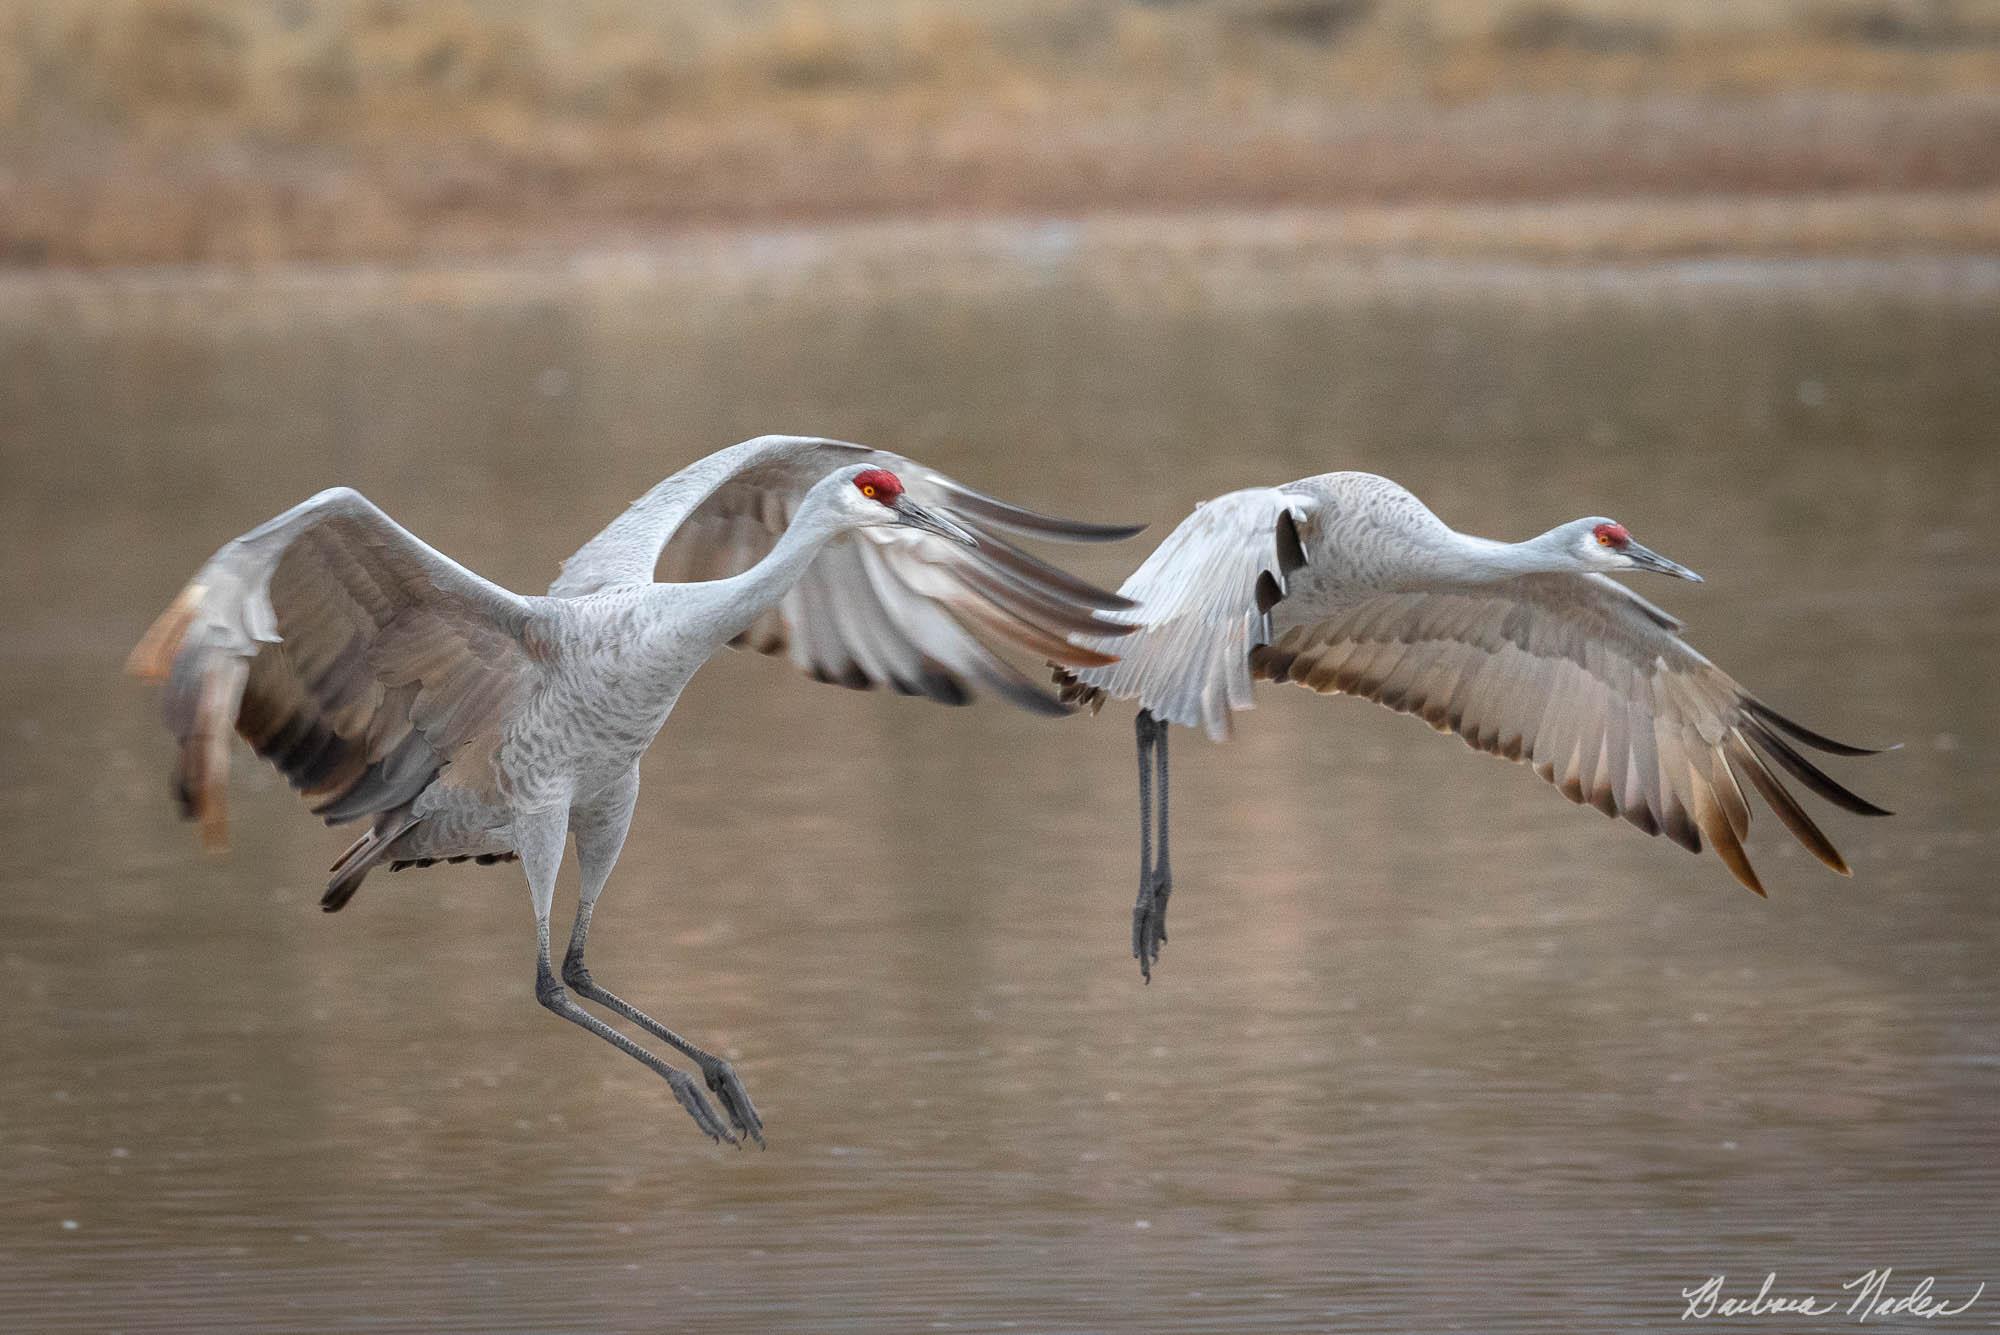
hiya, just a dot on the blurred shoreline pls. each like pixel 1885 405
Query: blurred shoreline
pixel 1145 259
pixel 142 132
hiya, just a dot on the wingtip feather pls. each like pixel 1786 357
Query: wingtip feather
pixel 1801 733
pixel 1767 740
pixel 1023 520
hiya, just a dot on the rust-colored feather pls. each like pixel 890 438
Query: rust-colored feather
pixel 152 658
pixel 1714 822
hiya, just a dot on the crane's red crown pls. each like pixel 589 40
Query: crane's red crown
pixel 1612 535
pixel 879 484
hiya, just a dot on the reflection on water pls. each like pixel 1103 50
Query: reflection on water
pixel 1429 1048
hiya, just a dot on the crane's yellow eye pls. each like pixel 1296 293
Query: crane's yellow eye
pixel 869 492
pixel 1604 539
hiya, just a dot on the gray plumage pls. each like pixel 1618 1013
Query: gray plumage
pixel 1346 583
pixel 389 683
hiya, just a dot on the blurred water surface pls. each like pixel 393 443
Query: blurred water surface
pixel 1430 1049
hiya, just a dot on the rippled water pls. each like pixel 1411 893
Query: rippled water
pixel 1430 1048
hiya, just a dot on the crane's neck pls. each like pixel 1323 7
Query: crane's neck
pixel 702 617
pixel 1464 559
pixel 632 651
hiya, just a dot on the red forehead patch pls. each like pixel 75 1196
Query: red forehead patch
pixel 879 484
pixel 1612 535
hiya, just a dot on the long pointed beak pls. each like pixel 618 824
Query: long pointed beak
pixel 909 513
pixel 1645 558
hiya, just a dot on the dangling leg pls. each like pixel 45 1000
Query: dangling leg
pixel 600 833
pixel 1149 914
pixel 538 838
pixel 1163 871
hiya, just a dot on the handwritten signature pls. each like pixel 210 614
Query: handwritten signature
pixel 1870 1298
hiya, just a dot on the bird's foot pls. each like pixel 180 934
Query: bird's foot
pixel 1149 925
pixel 697 1105
pixel 722 1082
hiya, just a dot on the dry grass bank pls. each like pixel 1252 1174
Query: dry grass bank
pixel 266 130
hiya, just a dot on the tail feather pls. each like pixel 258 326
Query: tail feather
pixel 361 857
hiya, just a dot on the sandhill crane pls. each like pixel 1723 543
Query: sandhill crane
pixel 388 682
pixel 1348 584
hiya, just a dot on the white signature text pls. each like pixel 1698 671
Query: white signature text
pixel 1869 1295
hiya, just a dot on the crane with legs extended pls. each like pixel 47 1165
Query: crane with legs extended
pixel 1348 584
pixel 461 720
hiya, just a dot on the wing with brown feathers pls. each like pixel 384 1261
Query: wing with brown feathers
pixel 884 607
pixel 356 659
pixel 1588 685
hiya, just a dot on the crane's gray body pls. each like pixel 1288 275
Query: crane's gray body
pixel 615 667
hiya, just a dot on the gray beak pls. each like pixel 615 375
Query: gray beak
pixel 1645 558
pixel 909 513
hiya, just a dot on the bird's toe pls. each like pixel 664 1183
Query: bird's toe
pixel 1149 929
pixel 697 1105
pixel 722 1082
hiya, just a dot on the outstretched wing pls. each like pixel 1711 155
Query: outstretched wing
pixel 1204 601
pixel 882 607
pixel 355 658
pixel 1590 685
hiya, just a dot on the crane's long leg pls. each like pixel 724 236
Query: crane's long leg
pixel 1142 731
pixel 538 838
pixel 1156 880
pixel 1163 870
pixel 600 834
